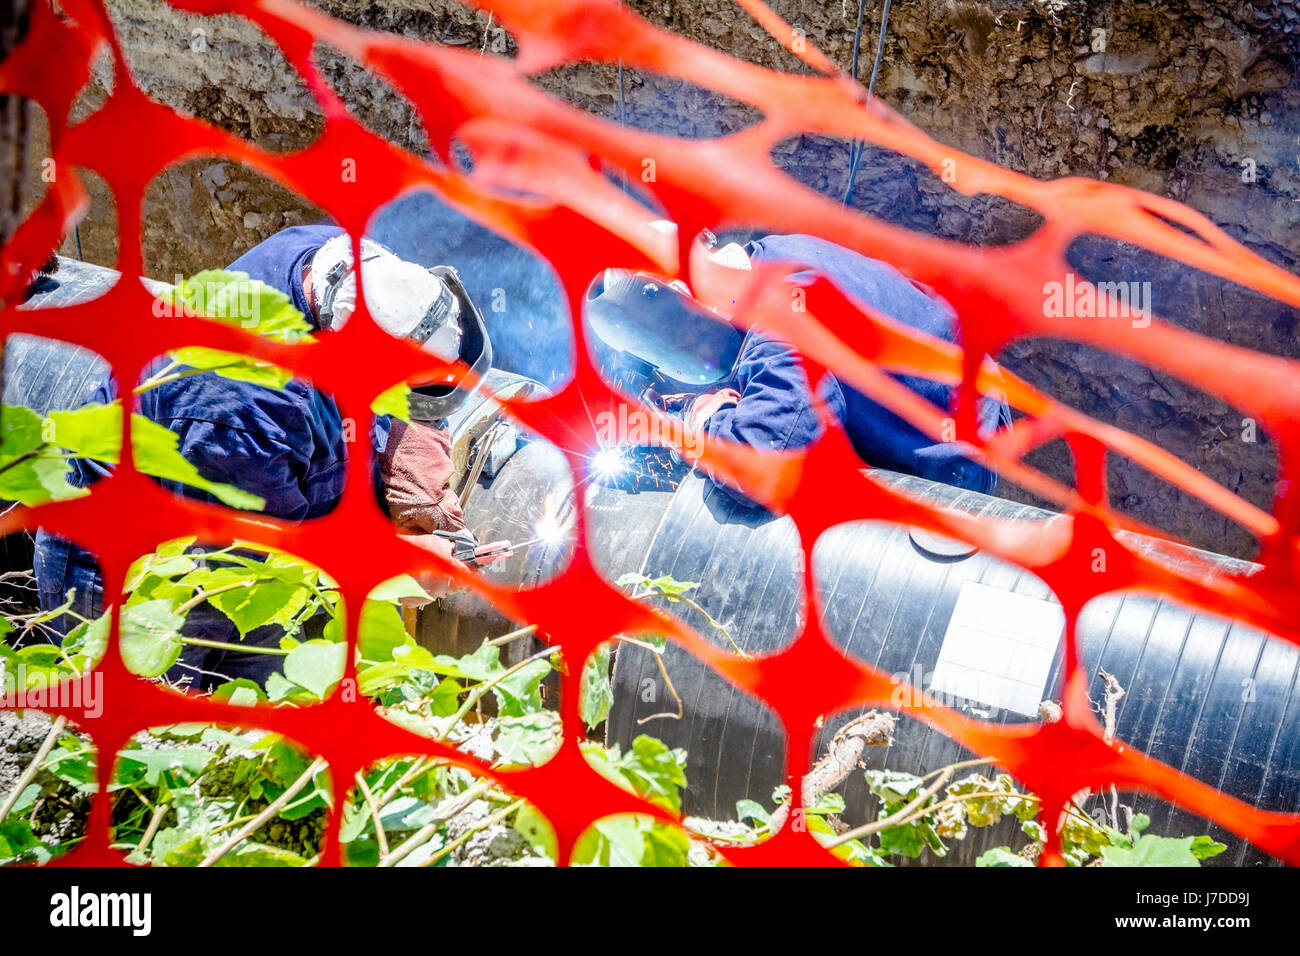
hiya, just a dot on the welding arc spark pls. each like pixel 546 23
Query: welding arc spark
pixel 608 462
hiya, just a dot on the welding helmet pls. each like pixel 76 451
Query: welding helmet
pixel 427 306
pixel 648 333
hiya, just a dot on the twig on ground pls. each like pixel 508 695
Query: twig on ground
pixel 495 818
pixel 426 832
pixel 272 809
pixel 380 837
pixel 872 729
pixel 30 771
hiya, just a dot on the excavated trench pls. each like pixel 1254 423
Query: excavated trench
pixel 1197 100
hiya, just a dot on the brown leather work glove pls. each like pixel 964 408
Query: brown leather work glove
pixel 416 468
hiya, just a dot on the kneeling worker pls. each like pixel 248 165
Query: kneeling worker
pixel 287 445
pixel 762 397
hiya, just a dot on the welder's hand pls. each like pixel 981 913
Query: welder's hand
pixel 435 585
pixel 704 406
pixel 677 402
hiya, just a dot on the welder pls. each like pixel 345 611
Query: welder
pixel 761 395
pixel 287 445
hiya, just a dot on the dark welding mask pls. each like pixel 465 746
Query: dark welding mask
pixel 647 334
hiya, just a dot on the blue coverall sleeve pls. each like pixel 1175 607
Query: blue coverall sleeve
pixel 251 461
pixel 775 411
pixel 284 445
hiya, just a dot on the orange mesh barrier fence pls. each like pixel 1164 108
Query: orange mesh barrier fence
pixel 527 142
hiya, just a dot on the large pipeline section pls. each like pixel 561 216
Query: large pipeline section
pixel 1210 697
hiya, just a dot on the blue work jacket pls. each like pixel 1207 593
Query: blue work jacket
pixel 775 411
pixel 285 445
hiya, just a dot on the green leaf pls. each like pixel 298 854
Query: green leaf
pixel 27 798
pixel 1001 856
pixel 16 838
pixel 670 587
pixel 445 698
pixel 241 692
pixel 402 586
pixel 1151 850
pixel 278 689
pixel 751 810
pixel 407 813
pixel 537 830
pixel 1204 847
pixel 151 587
pixel 596 695
pixel 88 640
pixel 521 693
pixel 176 846
pixel 91 431
pixel 356 818
pixel 614 841
pixel 32 471
pixel 151 639
pixel 234 299
pixel 259 854
pixel 906 840
pixel 650 769
pixel 316 666
pixel 893 786
pixel 528 741
pixel 665 846
pixel 159 565
pixel 1003 797
pixel 381 631
pixel 262 602
pixel 157 452
pixel 181 765
pixel 20 432
pixel 484 664
pixel 233 365
pixel 395 401
pixel 828 803
pixel 632 840
pixel 665 584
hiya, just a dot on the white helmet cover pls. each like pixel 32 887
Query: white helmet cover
pixel 405 299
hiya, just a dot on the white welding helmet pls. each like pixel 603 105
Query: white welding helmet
pixel 428 306
pixel 406 300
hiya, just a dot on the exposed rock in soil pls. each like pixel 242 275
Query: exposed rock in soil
pixel 498 844
pixel 61 810
pixel 1197 100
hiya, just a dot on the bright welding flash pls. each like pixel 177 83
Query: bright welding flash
pixel 549 530
pixel 608 463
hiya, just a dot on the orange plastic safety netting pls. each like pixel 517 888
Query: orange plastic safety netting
pixel 525 141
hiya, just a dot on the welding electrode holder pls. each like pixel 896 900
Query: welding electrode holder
pixel 463 546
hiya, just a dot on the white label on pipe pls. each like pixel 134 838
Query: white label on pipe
pixel 998 649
